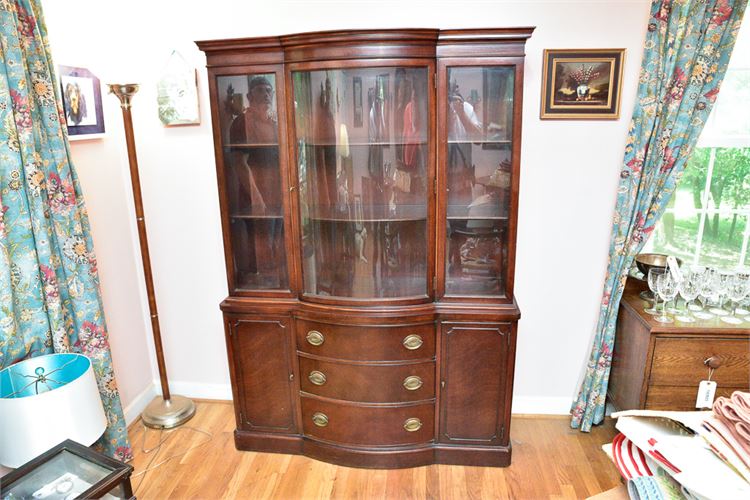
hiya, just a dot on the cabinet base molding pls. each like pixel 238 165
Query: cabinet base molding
pixel 374 458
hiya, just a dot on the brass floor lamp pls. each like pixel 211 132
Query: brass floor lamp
pixel 168 410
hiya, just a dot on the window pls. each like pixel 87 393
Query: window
pixel 707 221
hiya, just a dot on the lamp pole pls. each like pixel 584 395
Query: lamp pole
pixel 168 410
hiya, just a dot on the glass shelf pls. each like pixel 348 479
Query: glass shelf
pixel 421 142
pixel 370 214
pixel 252 145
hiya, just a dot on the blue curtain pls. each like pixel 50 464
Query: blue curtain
pixel 49 287
pixel 686 54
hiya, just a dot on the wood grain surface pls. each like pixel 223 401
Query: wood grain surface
pixel 550 460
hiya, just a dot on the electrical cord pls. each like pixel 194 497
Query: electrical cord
pixel 156 449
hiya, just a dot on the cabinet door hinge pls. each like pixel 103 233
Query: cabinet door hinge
pixel 502 432
pixel 434 79
pixel 434 283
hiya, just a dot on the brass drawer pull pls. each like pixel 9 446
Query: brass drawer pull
pixel 412 342
pixel 320 419
pixel 317 378
pixel 314 337
pixel 412 383
pixel 412 425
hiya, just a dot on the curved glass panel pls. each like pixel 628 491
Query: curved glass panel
pixel 362 140
pixel 479 169
pixel 249 134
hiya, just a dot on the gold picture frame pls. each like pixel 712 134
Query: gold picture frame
pixel 582 84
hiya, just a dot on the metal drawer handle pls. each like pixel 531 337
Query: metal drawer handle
pixel 320 419
pixel 314 337
pixel 412 342
pixel 317 378
pixel 412 383
pixel 412 424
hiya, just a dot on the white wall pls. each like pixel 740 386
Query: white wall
pixel 569 174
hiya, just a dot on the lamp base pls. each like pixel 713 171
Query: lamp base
pixel 161 414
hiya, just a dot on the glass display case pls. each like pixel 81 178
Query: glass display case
pixel 67 471
pixel 368 182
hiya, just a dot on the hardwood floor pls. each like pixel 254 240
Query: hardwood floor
pixel 550 460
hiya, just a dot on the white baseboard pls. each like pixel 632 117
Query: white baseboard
pixel 136 407
pixel 201 391
pixel 533 405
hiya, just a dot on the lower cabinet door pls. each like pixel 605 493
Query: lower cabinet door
pixel 474 382
pixel 261 354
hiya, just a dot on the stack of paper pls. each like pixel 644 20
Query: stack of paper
pixel 675 442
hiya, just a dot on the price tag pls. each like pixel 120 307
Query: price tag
pixel 674 269
pixel 706 392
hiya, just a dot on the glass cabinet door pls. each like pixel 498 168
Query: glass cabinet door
pixel 362 160
pixel 479 115
pixel 252 173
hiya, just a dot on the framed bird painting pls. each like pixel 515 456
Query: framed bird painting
pixel 582 84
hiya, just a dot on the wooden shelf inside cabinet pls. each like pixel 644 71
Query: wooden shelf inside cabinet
pixel 370 241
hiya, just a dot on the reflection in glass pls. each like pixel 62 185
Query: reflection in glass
pixel 249 129
pixel 476 250
pixel 362 164
pixel 479 178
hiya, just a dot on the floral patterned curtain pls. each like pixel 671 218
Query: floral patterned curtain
pixel 49 287
pixel 687 50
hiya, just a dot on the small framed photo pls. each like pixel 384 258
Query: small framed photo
pixel 82 101
pixel 582 84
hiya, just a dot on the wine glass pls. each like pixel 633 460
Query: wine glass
pixel 666 287
pixel 721 285
pixel 699 275
pixel 737 290
pixel 689 289
pixel 705 291
pixel 744 305
pixel 653 275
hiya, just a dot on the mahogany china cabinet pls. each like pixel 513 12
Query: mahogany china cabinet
pixel 369 186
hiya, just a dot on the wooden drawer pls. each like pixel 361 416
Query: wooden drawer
pixel 368 383
pixel 664 397
pixel 367 425
pixel 367 342
pixel 679 362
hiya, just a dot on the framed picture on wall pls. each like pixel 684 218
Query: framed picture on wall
pixel 82 101
pixel 582 84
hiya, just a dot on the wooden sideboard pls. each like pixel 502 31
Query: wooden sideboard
pixel 658 366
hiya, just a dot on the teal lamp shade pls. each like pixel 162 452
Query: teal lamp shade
pixel 44 401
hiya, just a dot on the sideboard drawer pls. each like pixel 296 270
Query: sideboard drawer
pixel 664 397
pixel 367 342
pixel 368 425
pixel 680 362
pixel 368 383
